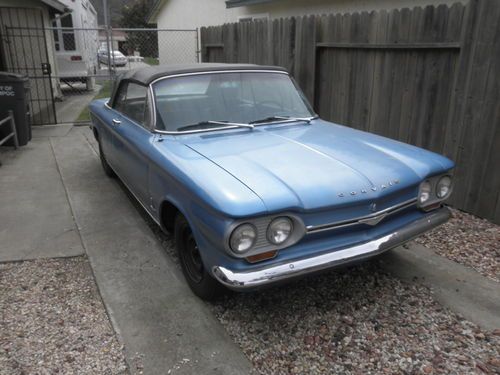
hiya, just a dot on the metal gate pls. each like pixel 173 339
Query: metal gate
pixel 24 50
pixel 68 67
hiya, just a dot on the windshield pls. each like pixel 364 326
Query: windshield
pixel 187 102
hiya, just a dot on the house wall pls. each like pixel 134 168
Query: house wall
pixel 26 14
pixel 191 14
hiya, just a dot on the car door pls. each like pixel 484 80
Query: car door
pixel 132 139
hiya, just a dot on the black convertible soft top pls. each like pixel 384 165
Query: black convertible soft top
pixel 147 75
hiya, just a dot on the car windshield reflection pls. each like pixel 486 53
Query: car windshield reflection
pixel 199 102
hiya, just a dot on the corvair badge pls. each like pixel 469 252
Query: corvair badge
pixel 373 188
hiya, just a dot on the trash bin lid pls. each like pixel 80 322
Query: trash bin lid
pixel 7 77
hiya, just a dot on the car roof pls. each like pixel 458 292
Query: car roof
pixel 147 75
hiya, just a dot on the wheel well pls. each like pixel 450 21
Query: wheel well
pixel 167 215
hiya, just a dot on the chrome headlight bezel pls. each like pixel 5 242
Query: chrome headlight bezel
pixel 262 243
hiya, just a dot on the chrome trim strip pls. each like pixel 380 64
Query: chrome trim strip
pixel 347 223
pixel 218 72
pixel 241 280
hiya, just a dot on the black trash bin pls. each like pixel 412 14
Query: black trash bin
pixel 14 96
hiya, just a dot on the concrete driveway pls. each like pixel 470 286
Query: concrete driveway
pixel 57 202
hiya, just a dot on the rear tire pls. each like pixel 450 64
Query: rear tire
pixel 107 168
pixel 199 280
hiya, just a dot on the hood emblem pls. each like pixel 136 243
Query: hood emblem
pixel 389 184
pixel 373 207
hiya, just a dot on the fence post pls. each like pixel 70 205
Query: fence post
pixel 107 28
pixel 197 46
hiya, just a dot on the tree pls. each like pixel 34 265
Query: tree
pixel 135 15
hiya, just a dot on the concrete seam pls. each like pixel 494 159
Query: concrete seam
pixel 106 309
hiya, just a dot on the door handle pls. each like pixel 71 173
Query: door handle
pixel 116 122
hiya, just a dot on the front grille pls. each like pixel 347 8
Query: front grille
pixel 371 220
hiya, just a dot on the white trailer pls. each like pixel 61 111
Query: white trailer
pixel 76 42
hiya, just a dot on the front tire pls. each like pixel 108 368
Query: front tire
pixel 199 280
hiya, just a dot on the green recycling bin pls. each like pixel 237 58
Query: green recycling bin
pixel 14 96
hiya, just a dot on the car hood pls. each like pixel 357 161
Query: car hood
pixel 300 166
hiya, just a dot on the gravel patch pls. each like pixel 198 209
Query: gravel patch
pixel 53 321
pixel 468 240
pixel 355 321
pixel 358 320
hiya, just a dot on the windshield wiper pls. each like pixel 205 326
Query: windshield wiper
pixel 202 124
pixel 279 118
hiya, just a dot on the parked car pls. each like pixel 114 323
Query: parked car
pixel 256 188
pixel 117 58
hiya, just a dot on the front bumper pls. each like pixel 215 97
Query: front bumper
pixel 255 278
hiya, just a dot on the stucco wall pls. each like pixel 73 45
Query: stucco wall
pixel 191 14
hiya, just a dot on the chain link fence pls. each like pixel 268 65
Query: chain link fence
pixel 69 67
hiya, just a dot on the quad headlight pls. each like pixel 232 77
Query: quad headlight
pixel 443 187
pixel 243 238
pixel 279 230
pixel 434 190
pixel 260 238
pixel 425 193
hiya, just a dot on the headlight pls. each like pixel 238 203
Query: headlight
pixel 425 192
pixel 279 230
pixel 243 238
pixel 443 187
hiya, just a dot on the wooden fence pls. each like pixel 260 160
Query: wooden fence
pixel 427 76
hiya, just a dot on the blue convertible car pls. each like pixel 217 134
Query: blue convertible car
pixel 255 187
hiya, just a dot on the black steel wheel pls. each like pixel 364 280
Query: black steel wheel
pixel 199 280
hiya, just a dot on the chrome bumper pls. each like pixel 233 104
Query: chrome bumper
pixel 255 278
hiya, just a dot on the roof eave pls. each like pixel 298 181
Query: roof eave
pixel 153 14
pixel 57 5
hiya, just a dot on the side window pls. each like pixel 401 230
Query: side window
pixel 121 96
pixel 131 101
